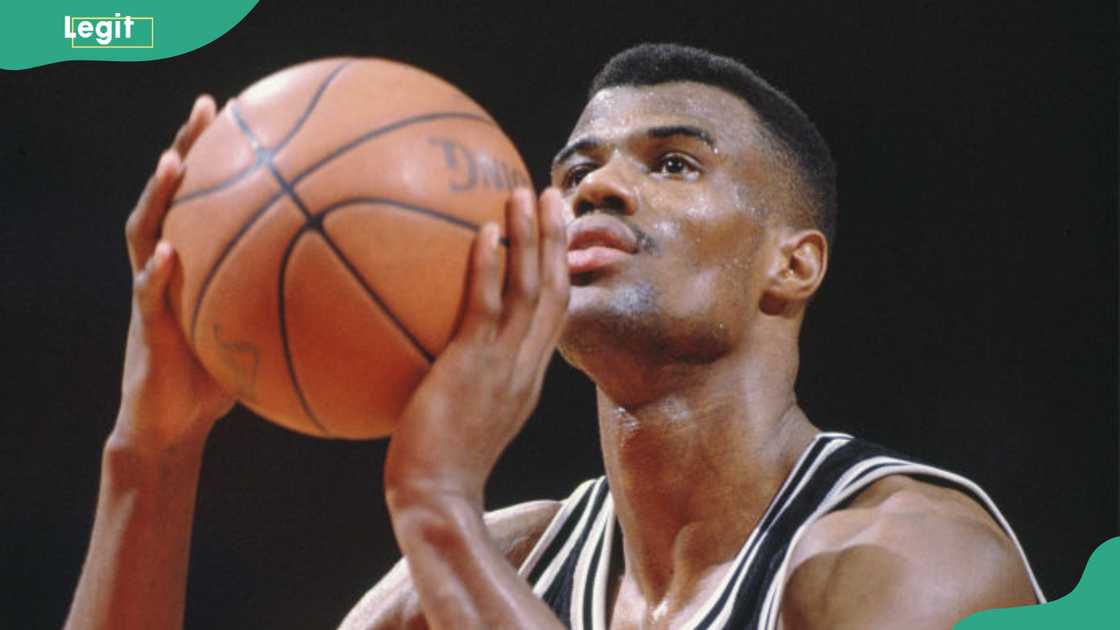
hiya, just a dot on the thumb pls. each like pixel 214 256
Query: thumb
pixel 150 285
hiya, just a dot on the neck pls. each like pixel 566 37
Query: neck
pixel 694 453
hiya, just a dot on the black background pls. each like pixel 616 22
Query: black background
pixel 969 318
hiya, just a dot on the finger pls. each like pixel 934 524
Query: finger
pixel 484 293
pixel 523 276
pixel 552 305
pixel 202 114
pixel 150 285
pixel 143 225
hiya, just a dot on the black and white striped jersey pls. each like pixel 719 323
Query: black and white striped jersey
pixel 568 567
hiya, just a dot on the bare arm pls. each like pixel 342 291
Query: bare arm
pixel 477 396
pixel 393 603
pixel 135 571
pixel 905 555
pixel 136 568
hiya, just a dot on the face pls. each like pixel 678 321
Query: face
pixel 669 188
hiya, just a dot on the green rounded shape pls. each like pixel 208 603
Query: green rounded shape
pixel 1092 604
pixel 50 31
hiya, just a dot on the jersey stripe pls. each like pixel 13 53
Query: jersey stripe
pixel 557 533
pixel 555 582
pixel 715 615
pixel 570 566
pixel 587 575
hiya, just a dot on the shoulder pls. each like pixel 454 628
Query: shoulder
pixel 904 553
pixel 393 603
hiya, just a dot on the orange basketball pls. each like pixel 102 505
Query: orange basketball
pixel 323 228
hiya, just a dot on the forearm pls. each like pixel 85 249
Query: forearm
pixel 461 577
pixel 136 568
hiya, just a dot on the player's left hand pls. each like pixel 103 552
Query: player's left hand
pixel 486 383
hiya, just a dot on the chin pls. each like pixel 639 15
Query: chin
pixel 604 320
pixel 612 304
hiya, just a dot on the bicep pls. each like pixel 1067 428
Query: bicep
pixel 905 571
pixel 861 586
pixel 393 602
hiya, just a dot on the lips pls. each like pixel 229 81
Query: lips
pixel 596 241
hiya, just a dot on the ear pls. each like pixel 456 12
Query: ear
pixel 796 270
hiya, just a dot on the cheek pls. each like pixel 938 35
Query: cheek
pixel 715 263
pixel 724 240
pixel 684 230
pixel 720 296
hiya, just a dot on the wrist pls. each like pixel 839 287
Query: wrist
pixel 425 517
pixel 151 423
pixel 131 447
pixel 429 476
pixel 428 492
pixel 144 480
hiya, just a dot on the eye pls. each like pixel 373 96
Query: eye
pixel 575 175
pixel 674 164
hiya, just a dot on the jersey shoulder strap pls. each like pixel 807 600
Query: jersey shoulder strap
pixel 862 463
pixel 552 564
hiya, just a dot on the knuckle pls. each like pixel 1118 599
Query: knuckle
pixel 527 287
pixel 132 226
pixel 493 305
pixel 552 280
pixel 529 233
pixel 496 355
pixel 555 292
pixel 141 282
pixel 522 387
pixel 533 298
pixel 485 261
pixel 556 231
pixel 486 306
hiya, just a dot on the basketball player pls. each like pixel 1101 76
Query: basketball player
pixel 673 260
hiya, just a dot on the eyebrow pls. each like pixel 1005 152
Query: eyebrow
pixel 669 131
pixel 583 144
pixel 666 131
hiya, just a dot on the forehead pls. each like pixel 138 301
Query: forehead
pixel 619 110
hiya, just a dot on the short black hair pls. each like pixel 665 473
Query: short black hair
pixel 789 130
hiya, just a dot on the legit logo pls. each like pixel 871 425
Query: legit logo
pixel 111 32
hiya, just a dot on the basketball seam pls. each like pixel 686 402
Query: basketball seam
pixel 314 222
pixel 245 227
pixel 373 133
pixel 237 177
pixel 286 189
pixel 284 334
pixel 259 213
pixel 385 201
pixel 264 156
pixel 311 106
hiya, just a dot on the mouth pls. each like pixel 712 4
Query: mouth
pixel 598 241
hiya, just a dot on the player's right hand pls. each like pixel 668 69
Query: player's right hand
pixel 167 397
pixel 484 385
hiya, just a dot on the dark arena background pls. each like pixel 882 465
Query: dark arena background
pixel 969 317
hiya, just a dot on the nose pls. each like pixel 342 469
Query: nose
pixel 606 189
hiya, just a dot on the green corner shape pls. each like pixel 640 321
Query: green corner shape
pixel 50 31
pixel 1094 603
